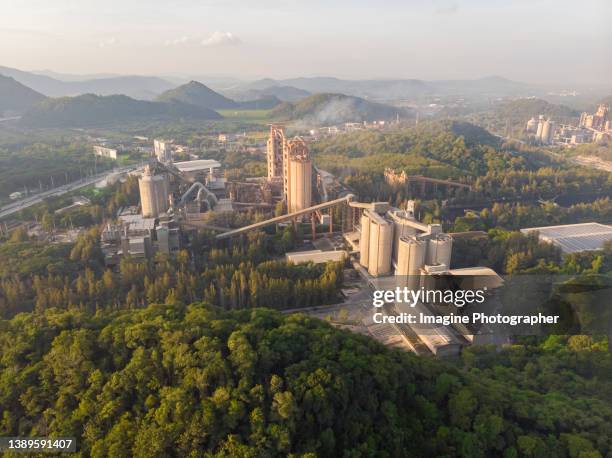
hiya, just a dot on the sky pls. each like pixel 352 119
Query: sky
pixel 537 41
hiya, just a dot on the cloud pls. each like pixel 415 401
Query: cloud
pixel 112 41
pixel 221 39
pixel 177 41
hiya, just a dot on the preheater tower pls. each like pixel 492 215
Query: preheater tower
pixel 275 147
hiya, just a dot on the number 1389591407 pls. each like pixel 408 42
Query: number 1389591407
pixel 40 444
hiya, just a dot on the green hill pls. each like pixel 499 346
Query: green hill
pixel 92 110
pixel 323 109
pixel 197 94
pixel 523 109
pixel 15 98
pixel 264 102
pixel 171 380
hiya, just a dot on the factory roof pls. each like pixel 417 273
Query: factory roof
pixel 572 238
pixel 199 164
pixel 138 222
pixel 316 256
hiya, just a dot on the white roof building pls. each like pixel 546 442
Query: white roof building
pixel 315 256
pixel 197 165
pixel 573 238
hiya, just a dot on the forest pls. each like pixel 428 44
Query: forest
pixel 176 380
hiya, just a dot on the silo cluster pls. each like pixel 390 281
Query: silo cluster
pixel 396 239
pixel 545 130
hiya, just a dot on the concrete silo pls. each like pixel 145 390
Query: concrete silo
pixel 381 245
pixel 532 125
pixel 297 172
pixel 547 132
pixel 364 241
pixel 540 126
pixel 439 250
pixel 411 256
pixel 403 224
pixel 153 193
pixel 300 184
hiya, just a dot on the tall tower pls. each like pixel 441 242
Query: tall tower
pixel 600 117
pixel 276 144
pixel 297 175
pixel 163 151
pixel 153 193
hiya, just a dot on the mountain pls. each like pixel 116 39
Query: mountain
pixel 93 110
pixel 524 109
pixel 264 102
pixel 387 89
pixel 141 87
pixel 15 98
pixel 283 93
pixel 336 108
pixel 198 94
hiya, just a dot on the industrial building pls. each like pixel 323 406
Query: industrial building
pixel 103 151
pixel 393 241
pixel 573 238
pixel 203 170
pixel 274 152
pixel 163 151
pixel 154 193
pixel 289 165
pixel 139 237
pixel 316 256
pixel 543 129
pixel 598 120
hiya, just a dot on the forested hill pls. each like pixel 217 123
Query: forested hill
pixel 523 109
pixel 321 109
pixel 171 380
pixel 198 94
pixel 439 149
pixel 15 98
pixel 93 110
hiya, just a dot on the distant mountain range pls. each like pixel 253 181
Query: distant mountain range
pixel 92 110
pixel 284 93
pixel 394 89
pixel 15 98
pixel 140 87
pixel 201 95
pixel 318 100
pixel 321 109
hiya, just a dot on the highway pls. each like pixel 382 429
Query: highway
pixel 20 204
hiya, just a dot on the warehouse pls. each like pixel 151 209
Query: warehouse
pixel 573 238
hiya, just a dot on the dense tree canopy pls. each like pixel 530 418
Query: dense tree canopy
pixel 172 380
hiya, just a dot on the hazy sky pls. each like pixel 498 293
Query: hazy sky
pixel 529 40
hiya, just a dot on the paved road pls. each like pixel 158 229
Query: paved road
pixel 19 205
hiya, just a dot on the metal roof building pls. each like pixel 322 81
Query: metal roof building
pixel 573 238
pixel 197 165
